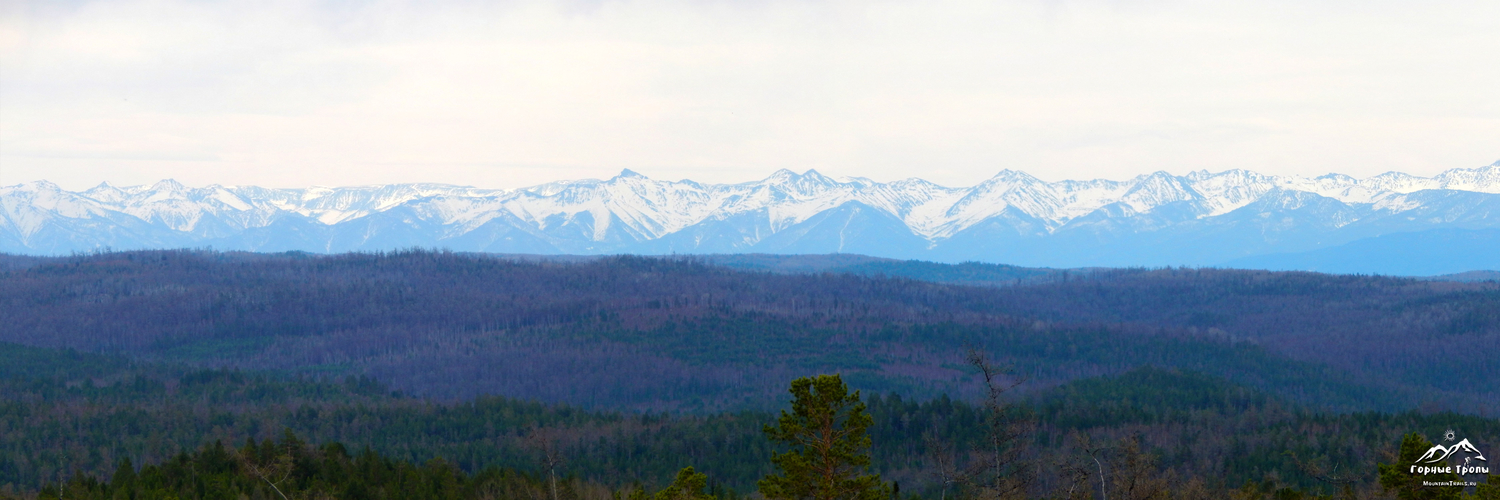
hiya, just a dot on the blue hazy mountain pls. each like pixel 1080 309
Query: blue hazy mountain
pixel 1420 253
pixel 1392 223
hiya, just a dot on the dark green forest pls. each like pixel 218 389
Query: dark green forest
pixel 72 419
pixel 678 334
pixel 191 374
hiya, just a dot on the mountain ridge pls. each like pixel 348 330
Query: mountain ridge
pixel 1433 252
pixel 1013 217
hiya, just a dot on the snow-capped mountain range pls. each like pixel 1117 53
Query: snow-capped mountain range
pixel 1201 218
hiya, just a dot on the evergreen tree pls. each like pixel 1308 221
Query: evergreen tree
pixel 1488 490
pixel 688 485
pixel 829 455
pixel 1398 477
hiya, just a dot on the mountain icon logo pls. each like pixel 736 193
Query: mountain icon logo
pixel 1439 452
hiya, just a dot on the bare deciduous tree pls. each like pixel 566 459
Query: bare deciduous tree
pixel 1080 468
pixel 544 441
pixel 272 473
pixel 944 468
pixel 1000 473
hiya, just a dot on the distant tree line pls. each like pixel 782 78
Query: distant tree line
pixel 658 334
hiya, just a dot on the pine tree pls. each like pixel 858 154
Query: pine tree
pixel 1409 486
pixel 1488 490
pixel 829 455
pixel 688 485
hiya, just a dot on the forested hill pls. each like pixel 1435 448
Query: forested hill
pixel 663 333
pixel 967 273
pixel 74 416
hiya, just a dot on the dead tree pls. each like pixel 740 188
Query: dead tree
pixel 544 441
pixel 273 473
pixel 1080 469
pixel 944 464
pixel 1000 473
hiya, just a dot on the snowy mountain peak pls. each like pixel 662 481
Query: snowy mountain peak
pixel 42 186
pixel 1009 176
pixel 1336 178
pixel 914 183
pixel 632 211
pixel 780 176
pixel 790 185
pixel 812 175
pixel 168 185
pixel 106 193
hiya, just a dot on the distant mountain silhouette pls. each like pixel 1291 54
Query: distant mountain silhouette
pixel 1393 223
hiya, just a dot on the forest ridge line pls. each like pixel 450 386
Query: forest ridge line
pixel 680 333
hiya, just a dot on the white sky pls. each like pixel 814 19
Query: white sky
pixel 508 94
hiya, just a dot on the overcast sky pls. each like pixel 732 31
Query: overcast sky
pixel 508 94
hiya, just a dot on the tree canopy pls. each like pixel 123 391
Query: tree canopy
pixel 827 433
